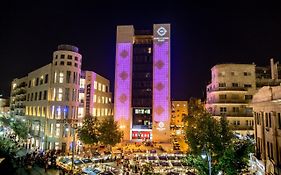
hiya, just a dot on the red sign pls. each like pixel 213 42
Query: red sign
pixel 141 134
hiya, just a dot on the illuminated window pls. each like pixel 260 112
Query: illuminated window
pixel 99 86
pixel 95 85
pixel 61 77
pixel 94 112
pixel 80 112
pixel 30 110
pixel 55 77
pixel 38 111
pixel 82 83
pixel 102 111
pixel 106 100
pixel 26 110
pixel 102 99
pixel 105 111
pixel 98 112
pixel 57 145
pixel 95 98
pixel 52 112
pixel 59 97
pixel 57 129
pixel 43 111
pixel 68 74
pixel 149 50
pixel 81 97
pixel 103 88
pixel 58 113
pixel 109 100
pixel 34 111
pixel 54 94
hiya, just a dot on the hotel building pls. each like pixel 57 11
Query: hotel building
pixel 48 99
pixel 142 83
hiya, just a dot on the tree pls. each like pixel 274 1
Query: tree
pixel 89 133
pixel 204 132
pixel 20 128
pixel 110 134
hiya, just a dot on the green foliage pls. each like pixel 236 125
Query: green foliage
pixel 89 133
pixel 20 128
pixel 109 132
pixel 204 132
pixel 94 131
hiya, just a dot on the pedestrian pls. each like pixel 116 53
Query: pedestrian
pixel 46 164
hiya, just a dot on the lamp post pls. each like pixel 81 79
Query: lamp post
pixel 208 155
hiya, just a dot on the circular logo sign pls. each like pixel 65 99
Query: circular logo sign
pixel 161 125
pixel 161 31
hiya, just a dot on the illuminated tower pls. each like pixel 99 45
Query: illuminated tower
pixel 142 83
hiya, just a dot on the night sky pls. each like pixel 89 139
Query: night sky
pixel 202 35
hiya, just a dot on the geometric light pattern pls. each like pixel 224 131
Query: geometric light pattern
pixel 123 70
pixel 161 81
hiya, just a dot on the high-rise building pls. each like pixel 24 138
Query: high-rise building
pixel 267 115
pixel 142 83
pixel 230 93
pixel 48 99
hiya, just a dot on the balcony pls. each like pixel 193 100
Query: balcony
pixel 228 101
pixel 240 127
pixel 226 89
pixel 233 114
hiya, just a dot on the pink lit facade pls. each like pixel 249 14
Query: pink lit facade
pixel 142 83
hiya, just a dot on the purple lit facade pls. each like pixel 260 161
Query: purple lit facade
pixel 122 103
pixel 142 83
pixel 161 102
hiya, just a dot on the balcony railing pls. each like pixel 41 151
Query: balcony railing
pixel 233 114
pixel 240 127
pixel 228 101
pixel 226 89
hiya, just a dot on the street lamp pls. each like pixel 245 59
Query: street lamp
pixel 208 155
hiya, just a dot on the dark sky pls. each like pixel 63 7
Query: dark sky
pixel 202 35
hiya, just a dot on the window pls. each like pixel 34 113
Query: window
pixel 62 56
pixel 98 99
pixel 40 95
pixel 75 64
pixel 61 77
pixel 41 79
pixel 106 100
pixel 269 119
pixel 233 73
pixel 99 86
pixel 35 98
pixel 266 119
pixel 31 98
pixel 247 85
pixel 82 83
pixel 223 109
pixel 102 111
pixel 74 77
pixel 37 81
pixel 69 57
pixel 248 97
pixel 234 84
pixel 45 95
pixel 56 56
pixel 235 109
pixel 68 74
pixel 103 88
pixel 95 85
pixel 28 95
pixel 102 99
pixel 62 63
pixel 105 112
pixel 222 97
pixel 221 74
pixel 55 77
pixel 58 113
pixel 76 58
pixel 95 98
pixel 98 112
pixel 279 120
pixel 69 63
pixel 46 78
pixel 109 100
pixel 222 84
pixel 247 73
pixel 57 130
pixel 66 96
pixel 60 92
pixel 29 83
pixel 73 94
